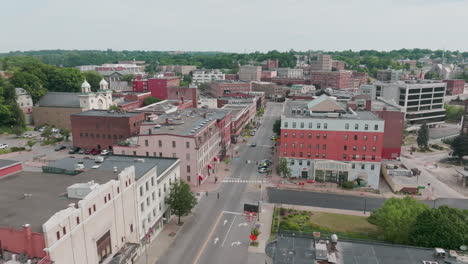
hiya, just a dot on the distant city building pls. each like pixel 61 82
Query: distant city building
pixel 455 86
pixel 268 74
pixel 270 64
pixel 250 73
pixel 271 90
pixel 444 71
pixel 332 79
pixel 231 77
pixel 158 87
pixel 301 89
pixel 220 88
pixel 181 69
pixel 338 65
pixel 290 73
pixel 389 75
pixel 25 103
pixel 207 76
pixel 321 62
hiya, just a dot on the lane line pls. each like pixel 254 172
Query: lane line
pixel 208 239
pixel 229 230
pixel 235 213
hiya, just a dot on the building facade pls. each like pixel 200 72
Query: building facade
pixel 321 63
pixel 455 87
pixel 250 73
pixel 219 88
pixel 158 87
pixel 290 73
pixel 324 141
pixel 207 76
pixel 329 79
pixel 25 103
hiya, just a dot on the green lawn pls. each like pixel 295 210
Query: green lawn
pixel 349 226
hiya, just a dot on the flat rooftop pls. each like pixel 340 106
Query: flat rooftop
pixel 293 249
pixel 107 113
pixel 186 122
pixel 7 163
pixel 380 103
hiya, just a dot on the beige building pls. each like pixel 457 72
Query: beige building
pixel 250 73
pixel 322 63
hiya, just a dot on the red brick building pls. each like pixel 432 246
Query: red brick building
pixel 219 88
pixel 131 100
pixel 455 87
pixel 332 79
pixel 158 87
pixel 231 77
pixel 183 94
pixel 360 78
pixel 100 129
pixel 338 65
pixel 285 81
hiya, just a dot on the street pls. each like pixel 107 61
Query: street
pixel 195 242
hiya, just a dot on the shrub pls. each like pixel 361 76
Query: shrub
pixel 282 211
pixel 347 185
pixel 15 149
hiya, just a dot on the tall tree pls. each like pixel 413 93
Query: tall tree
pixel 30 82
pixel 423 136
pixel 93 79
pixel 181 199
pixel 396 217
pixel 441 227
pixel 150 100
pixel 459 146
pixel 283 169
pixel 277 127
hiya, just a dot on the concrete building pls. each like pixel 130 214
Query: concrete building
pixel 55 108
pixel 25 103
pixel 181 69
pixel 455 87
pixel 422 101
pixel 271 90
pixel 301 89
pixel 270 64
pixel 241 115
pixel 101 129
pixel 444 71
pixel 220 88
pixel 389 75
pixel 250 73
pixel 334 80
pixel 199 137
pixel 268 75
pixel 290 73
pixel 323 140
pixel 207 76
pixel 321 62
pixel 338 65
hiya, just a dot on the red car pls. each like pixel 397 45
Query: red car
pixel 92 152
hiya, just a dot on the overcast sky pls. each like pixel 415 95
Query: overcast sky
pixel 233 25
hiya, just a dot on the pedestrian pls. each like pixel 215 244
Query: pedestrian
pixel 217 195
pixel 206 193
pixel 216 179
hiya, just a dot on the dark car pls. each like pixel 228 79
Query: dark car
pixel 58 148
pixel 74 150
pixel 253 144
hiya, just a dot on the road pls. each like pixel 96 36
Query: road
pixel 346 202
pixel 216 233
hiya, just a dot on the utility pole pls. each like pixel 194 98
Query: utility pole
pixel 365 204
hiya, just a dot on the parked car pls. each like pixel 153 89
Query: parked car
pixel 55 130
pixel 3 146
pixel 263 170
pixel 58 148
pixel 28 135
pixel 266 163
pixel 253 144
pixel 95 152
pixel 105 152
pixel 252 133
pixel 42 129
pixel 274 138
pixel 81 151
pixel 87 152
pixel 74 150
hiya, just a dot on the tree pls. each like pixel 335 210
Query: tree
pixel 396 217
pixel 186 80
pixel 423 136
pixel 181 199
pixel 459 146
pixel 128 77
pixel 277 127
pixel 93 79
pixel 31 143
pixel 283 169
pixel 47 133
pixel 150 100
pixel 31 83
pixel 65 133
pixel 443 227
pixel 114 107
pixel 260 112
pixel 64 80
pixel 18 130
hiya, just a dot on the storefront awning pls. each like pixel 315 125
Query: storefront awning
pixel 332 165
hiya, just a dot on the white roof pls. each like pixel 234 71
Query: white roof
pixel 103 82
pixel 85 84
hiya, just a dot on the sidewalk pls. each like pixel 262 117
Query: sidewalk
pixel 266 218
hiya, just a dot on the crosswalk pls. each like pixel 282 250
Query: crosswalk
pixel 244 181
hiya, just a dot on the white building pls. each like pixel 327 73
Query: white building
pixel 207 76
pixel 102 99
pixel 24 101
pixel 290 73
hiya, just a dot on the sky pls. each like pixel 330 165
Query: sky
pixel 233 25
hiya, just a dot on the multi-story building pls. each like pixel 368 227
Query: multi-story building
pixel 220 88
pixel 101 129
pixel 338 65
pixel 290 73
pixel 324 140
pixel 359 78
pixel 181 69
pixel 389 75
pixel 158 87
pixel 250 73
pixel 25 103
pixel 455 86
pixel 321 62
pixel 207 76
pixel 329 79
pixel 241 115
pixel 270 64
pixel 271 90
pixel 199 137
pixel 422 101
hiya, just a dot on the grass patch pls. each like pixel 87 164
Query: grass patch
pixel 345 223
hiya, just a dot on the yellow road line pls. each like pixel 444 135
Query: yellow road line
pixel 208 239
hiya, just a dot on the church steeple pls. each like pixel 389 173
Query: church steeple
pixel 85 87
pixel 103 85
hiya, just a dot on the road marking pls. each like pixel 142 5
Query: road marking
pixel 216 240
pixel 229 230
pixel 243 224
pixel 209 238
pixel 243 181
pixel 236 243
pixel 235 213
pixel 225 222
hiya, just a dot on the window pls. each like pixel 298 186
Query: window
pixel 325 125
pixel 354 148
pixel 300 145
pixel 134 153
pixel 146 142
pixel 147 153
pixel 77 220
pixel 376 127
pixel 356 126
pixel 131 228
pixel 364 137
pixel 375 138
pixel 373 157
pixel 346 137
pixel 147 201
pixel 300 155
pixel 108 196
pixel 160 154
pixel 187 156
pixel 309 146
pixel 64 229
pixel 310 125
pixel 292 162
pixel 94 208
pixel 154 154
pixel 346 126
pixel 363 166
pixel 366 127
pixel 293 124
pixel 301 135
pixel 308 154
pixel 164 187
pixel 324 146
pixel 363 157
pixel 310 135
pixel 285 134
pixel 308 163
pixel 147 186
pixel 118 189
pixel 344 156
pixel 285 124
pixel 345 147
pixel 353 166
pixel 293 135
pixel 159 192
pixel 318 136
pixel 293 145
pixel 364 148
pixel 300 162
pixel 173 144
pixel 188 168
pixel 187 144
pixel 324 136
pixel 58 235
pixel 318 125
pixel 372 167
pixel 152 181
pixel 293 154
pixel 302 125
pixel 316 155
pixel 373 148
pixel 284 153
pixel 285 145
pixel 317 146
pixel 159 143
pixel 354 156
pixel 324 155
pixel 355 137
pixel 142 207
pixel 105 199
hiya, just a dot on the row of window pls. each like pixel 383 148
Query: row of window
pixel 301 135
pixel 324 147
pixel 324 155
pixel 353 165
pixel 160 143
pixel 103 136
pixel 325 126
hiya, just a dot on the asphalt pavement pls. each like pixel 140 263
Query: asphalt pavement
pixel 195 242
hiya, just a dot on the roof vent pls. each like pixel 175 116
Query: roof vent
pixel 115 169
pixel 140 160
pixel 26 195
